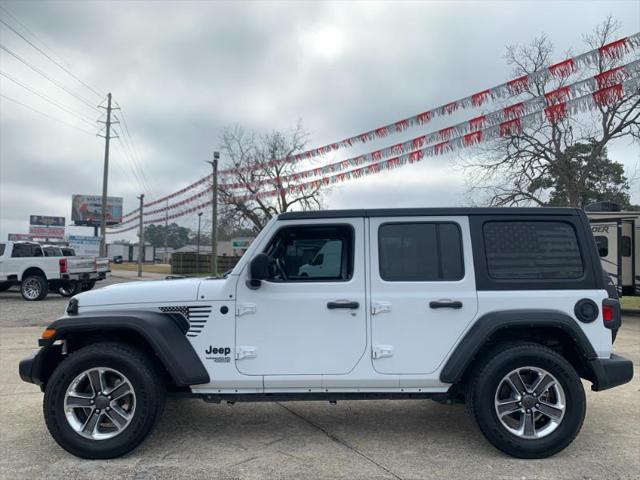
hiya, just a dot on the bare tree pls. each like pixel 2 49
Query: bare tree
pixel 261 163
pixel 520 168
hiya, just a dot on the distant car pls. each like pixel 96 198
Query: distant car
pixel 101 267
pixel 117 259
pixel 37 271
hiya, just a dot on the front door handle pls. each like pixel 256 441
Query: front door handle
pixel 446 304
pixel 343 304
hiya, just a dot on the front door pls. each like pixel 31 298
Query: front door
pixel 309 317
pixel 423 292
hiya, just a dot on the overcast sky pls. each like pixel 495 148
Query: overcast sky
pixel 181 71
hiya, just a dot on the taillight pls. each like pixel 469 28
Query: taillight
pixel 611 316
pixel 63 265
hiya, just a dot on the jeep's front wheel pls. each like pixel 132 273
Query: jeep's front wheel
pixel 103 400
pixel 528 401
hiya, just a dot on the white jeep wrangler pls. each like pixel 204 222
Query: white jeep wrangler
pixel 504 309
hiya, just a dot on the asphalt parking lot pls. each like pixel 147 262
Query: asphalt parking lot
pixel 368 439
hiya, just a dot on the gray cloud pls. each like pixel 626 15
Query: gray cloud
pixel 183 70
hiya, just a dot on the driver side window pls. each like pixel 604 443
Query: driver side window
pixel 311 253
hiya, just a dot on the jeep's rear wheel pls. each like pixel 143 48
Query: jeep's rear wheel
pixel 528 401
pixel 103 400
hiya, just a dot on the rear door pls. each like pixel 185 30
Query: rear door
pixel 423 293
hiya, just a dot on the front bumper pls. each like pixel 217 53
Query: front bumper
pixel 38 366
pixel 610 372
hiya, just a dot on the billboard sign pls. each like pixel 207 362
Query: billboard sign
pixel 43 226
pixel 46 232
pixel 84 245
pixel 18 237
pixel 86 210
pixel 46 221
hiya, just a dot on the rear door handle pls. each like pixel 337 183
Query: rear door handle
pixel 446 304
pixel 343 304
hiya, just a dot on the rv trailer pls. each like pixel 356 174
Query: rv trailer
pixel 617 235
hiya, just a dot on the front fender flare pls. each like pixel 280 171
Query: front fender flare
pixel 164 332
pixel 490 323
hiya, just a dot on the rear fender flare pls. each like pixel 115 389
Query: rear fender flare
pixel 487 325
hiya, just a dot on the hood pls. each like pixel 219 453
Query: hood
pixel 153 291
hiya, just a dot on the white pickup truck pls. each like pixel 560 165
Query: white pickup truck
pixel 25 264
pixel 101 266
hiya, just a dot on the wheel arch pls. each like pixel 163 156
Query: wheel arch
pixel 160 335
pixel 33 271
pixel 551 328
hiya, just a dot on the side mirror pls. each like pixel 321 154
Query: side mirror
pixel 258 270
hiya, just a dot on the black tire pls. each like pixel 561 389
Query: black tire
pixel 70 289
pixel 145 380
pixel 34 288
pixel 88 285
pixel 486 380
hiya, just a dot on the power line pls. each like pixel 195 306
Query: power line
pixel 55 82
pixel 47 115
pixel 52 60
pixel 127 154
pixel 135 155
pixel 30 32
pixel 49 99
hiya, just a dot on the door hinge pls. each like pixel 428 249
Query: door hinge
pixel 380 307
pixel 245 352
pixel 245 308
pixel 382 351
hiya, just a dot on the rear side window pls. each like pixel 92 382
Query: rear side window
pixel 420 252
pixel 51 252
pixel 532 250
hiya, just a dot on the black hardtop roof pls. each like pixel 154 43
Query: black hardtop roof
pixel 419 212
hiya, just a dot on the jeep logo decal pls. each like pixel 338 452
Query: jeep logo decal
pixel 223 351
pixel 217 350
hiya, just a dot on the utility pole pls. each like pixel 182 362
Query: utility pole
pixel 214 214
pixel 141 235
pixel 105 178
pixel 198 247
pixel 166 231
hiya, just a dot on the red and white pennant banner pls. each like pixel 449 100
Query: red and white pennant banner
pixel 616 49
pixel 553 113
pixel 498 117
pixel 613 50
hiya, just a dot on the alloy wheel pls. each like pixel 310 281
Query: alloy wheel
pixel 100 403
pixel 31 288
pixel 530 402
